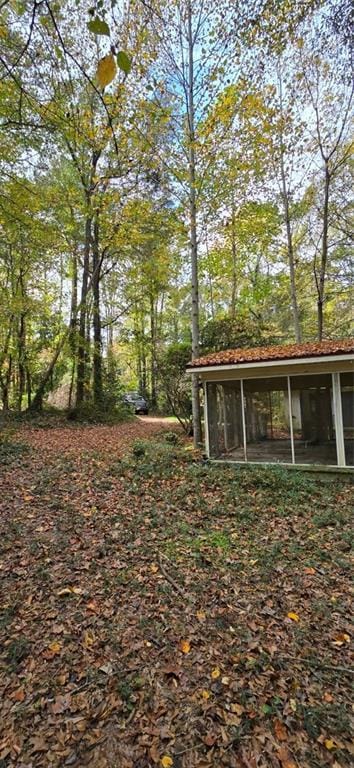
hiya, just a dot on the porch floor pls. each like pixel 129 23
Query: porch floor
pixel 279 451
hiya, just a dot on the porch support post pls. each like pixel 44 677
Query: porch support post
pixel 243 405
pixel 290 408
pixel 338 419
pixel 206 423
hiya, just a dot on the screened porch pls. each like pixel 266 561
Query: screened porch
pixel 289 419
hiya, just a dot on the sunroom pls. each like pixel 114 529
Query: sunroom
pixel 290 404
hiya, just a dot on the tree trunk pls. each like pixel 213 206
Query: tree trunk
pixel 81 345
pixel 234 259
pixel 197 430
pixel 153 353
pixel 97 332
pixel 21 349
pixel 73 323
pixel 29 387
pixel 289 234
pixel 324 256
pixel 36 404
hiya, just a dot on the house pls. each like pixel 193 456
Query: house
pixel 289 404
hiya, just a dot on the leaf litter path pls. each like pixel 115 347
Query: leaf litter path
pixel 158 612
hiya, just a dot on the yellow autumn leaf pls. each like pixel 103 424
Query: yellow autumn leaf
pixel 106 70
pixel 185 647
pixel 200 615
pixel 89 639
pixel 166 761
pixel 206 695
pixel 154 568
pixel 329 744
pixel 55 647
pixel 215 673
pixel 293 616
pixel 341 639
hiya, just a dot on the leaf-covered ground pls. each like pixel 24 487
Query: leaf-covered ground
pixel 157 611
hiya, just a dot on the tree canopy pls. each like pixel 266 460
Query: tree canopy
pixel 173 177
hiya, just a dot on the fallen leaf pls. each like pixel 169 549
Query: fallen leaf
pixel 293 616
pixel 154 568
pixel 200 615
pixel 209 739
pixel 342 638
pixel 206 694
pixel 327 697
pixel 329 744
pixel 285 758
pixel 61 704
pixel 18 695
pixel 166 761
pixel 238 709
pixel 185 646
pixel 92 606
pixel 69 591
pixel 215 673
pixel 107 669
pixel 310 571
pixel 54 647
pixel 225 680
pixel 280 730
pixel 89 639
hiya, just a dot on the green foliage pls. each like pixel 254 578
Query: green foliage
pixel 124 62
pixel 174 382
pixel 98 26
pixel 230 332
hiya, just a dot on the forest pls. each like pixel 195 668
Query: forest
pixel 174 179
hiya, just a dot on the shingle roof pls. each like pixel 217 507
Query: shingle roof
pixel 279 352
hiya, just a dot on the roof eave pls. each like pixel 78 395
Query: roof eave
pixel 270 363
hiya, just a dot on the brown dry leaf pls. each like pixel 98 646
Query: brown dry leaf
pixel 210 739
pixel 310 571
pixel 280 730
pixel 327 697
pixel 92 606
pixel 61 704
pixel 184 646
pixel 285 758
pixel 293 616
pixel 62 678
pixel 238 709
pixel 38 744
pixel 154 568
pixel 18 695
pixel 231 719
pixel 201 615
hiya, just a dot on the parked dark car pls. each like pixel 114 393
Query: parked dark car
pixel 136 402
